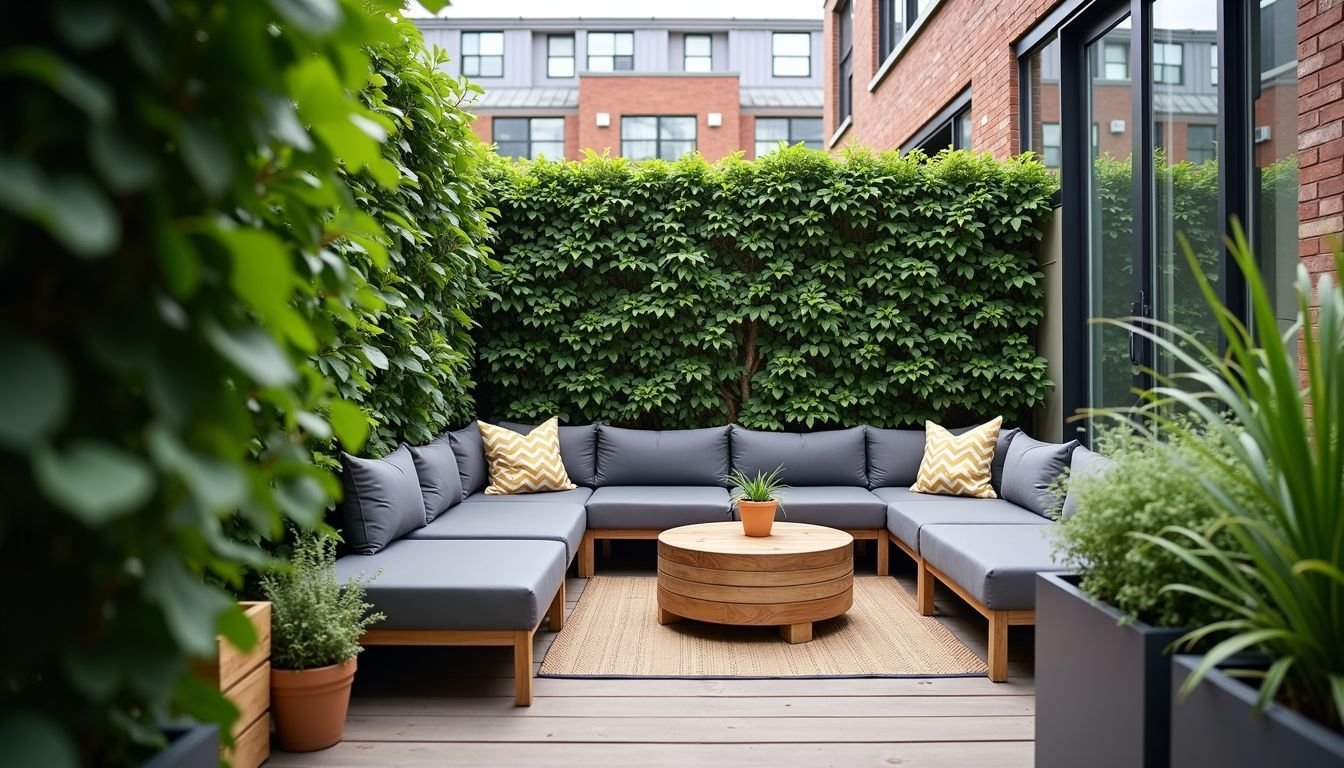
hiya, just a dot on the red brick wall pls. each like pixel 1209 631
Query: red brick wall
pixel 966 42
pixel 634 95
pixel 1320 120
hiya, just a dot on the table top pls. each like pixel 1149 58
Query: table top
pixel 727 538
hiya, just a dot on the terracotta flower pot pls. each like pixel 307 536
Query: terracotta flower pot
pixel 758 517
pixel 309 705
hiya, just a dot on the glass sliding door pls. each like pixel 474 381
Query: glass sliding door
pixel 1111 268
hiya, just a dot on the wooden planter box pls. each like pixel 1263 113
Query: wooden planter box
pixel 1103 687
pixel 246 679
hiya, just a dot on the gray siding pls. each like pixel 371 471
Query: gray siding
pixel 651 50
pixel 749 54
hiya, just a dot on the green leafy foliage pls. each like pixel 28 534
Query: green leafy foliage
pixel 762 486
pixel 794 290
pixel 174 177
pixel 1151 486
pixel 404 348
pixel 1275 401
pixel 315 620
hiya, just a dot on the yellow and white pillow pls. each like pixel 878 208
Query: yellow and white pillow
pixel 958 465
pixel 528 463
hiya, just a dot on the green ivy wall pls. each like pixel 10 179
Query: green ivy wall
pixel 799 290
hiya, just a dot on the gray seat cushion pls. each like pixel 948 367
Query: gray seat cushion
pixel 382 500
pixel 578 449
pixel 906 517
pixel 835 506
pixel 832 457
pixel 894 456
pixel 564 523
pixel 440 482
pixel 572 496
pixel 996 564
pixel 1030 469
pixel 890 495
pixel 661 457
pixel 460 584
pixel 656 507
pixel 469 449
pixel 1084 463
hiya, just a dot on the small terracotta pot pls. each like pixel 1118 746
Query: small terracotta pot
pixel 309 705
pixel 758 517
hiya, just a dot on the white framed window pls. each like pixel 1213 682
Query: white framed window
pixel 697 53
pixel 791 54
pixel 530 137
pixel 662 136
pixel 611 51
pixel 1213 64
pixel 483 54
pixel 1168 63
pixel 559 55
pixel 1115 61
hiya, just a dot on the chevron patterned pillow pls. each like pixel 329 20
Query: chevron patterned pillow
pixel 524 463
pixel 958 465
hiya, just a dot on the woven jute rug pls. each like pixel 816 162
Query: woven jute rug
pixel 613 632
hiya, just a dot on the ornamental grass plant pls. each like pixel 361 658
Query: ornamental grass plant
pixel 1275 561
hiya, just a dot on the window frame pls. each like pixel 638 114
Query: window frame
pixel 776 57
pixel 792 136
pixel 1164 67
pixel 614 56
pixel 479 57
pixel 1106 61
pixel 572 57
pixel 844 70
pixel 658 135
pixel 1211 148
pixel 530 143
pixel 686 57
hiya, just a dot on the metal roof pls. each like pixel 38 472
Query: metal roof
pixel 769 96
pixel 528 98
pixel 1185 103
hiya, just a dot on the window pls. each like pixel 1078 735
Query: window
pixel 559 55
pixel 668 138
pixel 1115 61
pixel 791 54
pixel 1167 64
pixel 894 19
pixel 770 131
pixel 530 137
pixel 845 74
pixel 1200 141
pixel 1051 145
pixel 611 51
pixel 952 133
pixel 483 54
pixel 697 53
pixel 1213 64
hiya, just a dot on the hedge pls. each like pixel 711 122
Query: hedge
pixel 797 290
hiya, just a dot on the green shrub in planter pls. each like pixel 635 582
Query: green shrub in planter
pixel 1153 485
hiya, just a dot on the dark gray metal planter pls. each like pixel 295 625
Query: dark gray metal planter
pixel 1103 689
pixel 1217 725
pixel 195 746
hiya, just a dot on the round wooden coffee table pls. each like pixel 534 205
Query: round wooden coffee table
pixel 713 572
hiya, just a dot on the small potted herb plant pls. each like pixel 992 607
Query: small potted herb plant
pixel 316 624
pixel 758 499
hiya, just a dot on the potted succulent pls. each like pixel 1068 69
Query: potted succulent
pixel 757 499
pixel 316 624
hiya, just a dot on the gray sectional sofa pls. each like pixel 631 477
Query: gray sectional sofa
pixel 459 567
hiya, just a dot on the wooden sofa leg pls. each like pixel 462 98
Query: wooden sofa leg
pixel 555 618
pixel 924 583
pixel 998 646
pixel 587 561
pixel 522 668
pixel 883 555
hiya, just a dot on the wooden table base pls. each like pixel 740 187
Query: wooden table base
pixel 798 575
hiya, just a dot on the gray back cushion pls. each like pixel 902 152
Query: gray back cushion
pixel 1030 468
pixel 1085 463
pixel 382 500
pixel 894 456
pixel 440 482
pixel 469 450
pixel 661 457
pixel 578 449
pixel 1000 456
pixel 832 457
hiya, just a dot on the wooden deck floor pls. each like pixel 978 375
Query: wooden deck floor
pixel 454 706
